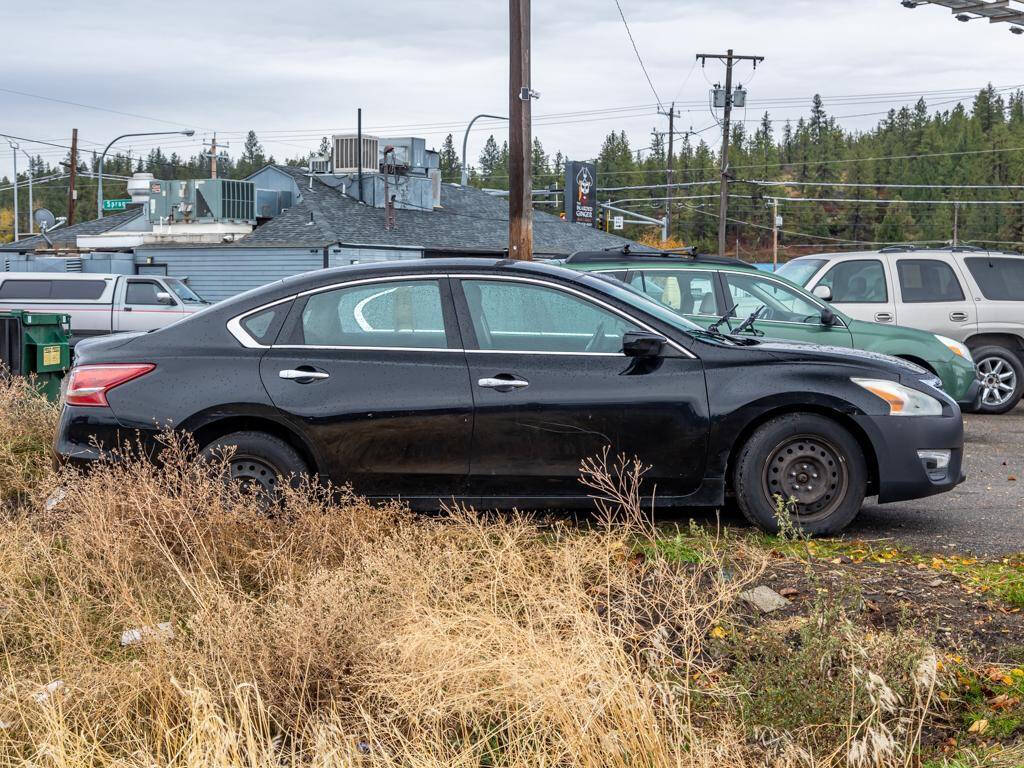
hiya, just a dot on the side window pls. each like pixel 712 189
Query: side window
pixel 25 289
pixel 684 291
pixel 263 326
pixel 927 280
pixel 77 289
pixel 142 292
pixel 781 302
pixel 404 314
pixel 1000 279
pixel 523 317
pixel 857 281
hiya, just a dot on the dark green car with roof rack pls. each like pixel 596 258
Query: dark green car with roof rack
pixel 712 289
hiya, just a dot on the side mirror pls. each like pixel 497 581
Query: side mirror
pixel 823 292
pixel 164 297
pixel 642 344
pixel 828 317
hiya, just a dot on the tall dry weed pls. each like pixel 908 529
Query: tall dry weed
pixel 27 423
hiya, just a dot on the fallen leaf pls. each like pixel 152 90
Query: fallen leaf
pixel 978 726
pixel 1003 701
pixel 789 592
pixel 1012 478
pixel 718 633
pixel 872 606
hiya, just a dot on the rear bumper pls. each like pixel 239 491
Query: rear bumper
pixel 896 441
pixel 87 435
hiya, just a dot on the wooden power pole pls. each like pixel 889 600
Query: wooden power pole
pixel 723 199
pixel 520 142
pixel 72 192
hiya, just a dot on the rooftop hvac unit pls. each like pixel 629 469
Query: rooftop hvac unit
pixel 225 199
pixel 319 164
pixel 346 154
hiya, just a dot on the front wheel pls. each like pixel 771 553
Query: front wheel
pixel 804 467
pixel 1002 378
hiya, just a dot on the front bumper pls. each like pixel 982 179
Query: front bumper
pixel 972 398
pixel 896 441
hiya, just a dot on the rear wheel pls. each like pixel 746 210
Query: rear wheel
pixel 259 462
pixel 1002 378
pixel 804 467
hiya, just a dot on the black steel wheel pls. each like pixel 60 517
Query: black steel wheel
pixel 802 466
pixel 807 473
pixel 259 462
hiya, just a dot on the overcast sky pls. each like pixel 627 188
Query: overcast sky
pixel 294 70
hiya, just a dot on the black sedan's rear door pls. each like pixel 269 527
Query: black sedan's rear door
pixel 374 374
pixel 551 387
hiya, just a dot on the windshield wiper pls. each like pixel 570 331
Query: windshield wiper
pixel 713 328
pixel 749 322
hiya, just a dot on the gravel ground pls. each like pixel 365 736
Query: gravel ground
pixel 984 515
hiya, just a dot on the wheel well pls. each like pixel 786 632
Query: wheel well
pixel 207 433
pixel 870 459
pixel 1007 340
pixel 918 361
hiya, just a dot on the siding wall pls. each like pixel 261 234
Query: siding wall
pixel 340 257
pixel 219 272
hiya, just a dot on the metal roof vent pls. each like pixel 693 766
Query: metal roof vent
pixel 346 154
pixel 320 164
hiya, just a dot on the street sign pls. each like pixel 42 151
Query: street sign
pixel 617 222
pixel 116 205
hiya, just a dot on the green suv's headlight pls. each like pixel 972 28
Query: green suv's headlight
pixel 903 401
pixel 956 347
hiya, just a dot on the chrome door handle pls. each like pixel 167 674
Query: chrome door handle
pixel 883 317
pixel 957 317
pixel 498 383
pixel 293 374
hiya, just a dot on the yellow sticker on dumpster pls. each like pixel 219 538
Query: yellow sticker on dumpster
pixel 51 355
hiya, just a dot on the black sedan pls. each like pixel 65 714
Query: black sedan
pixel 488 381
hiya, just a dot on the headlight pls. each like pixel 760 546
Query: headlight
pixel 956 347
pixel 903 401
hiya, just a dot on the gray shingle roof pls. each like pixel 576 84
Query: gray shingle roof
pixel 469 219
pixel 65 237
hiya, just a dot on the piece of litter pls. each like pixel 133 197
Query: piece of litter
pixel 55 498
pixel 765 599
pixel 163 631
pixel 47 691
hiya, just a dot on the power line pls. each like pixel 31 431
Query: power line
pixel 91 106
pixel 860 185
pixel 637 52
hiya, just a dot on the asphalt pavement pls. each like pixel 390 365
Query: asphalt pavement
pixel 984 515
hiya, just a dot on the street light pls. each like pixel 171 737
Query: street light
pixel 465 168
pixel 99 189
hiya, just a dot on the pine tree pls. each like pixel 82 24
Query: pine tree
pixel 490 158
pixel 449 162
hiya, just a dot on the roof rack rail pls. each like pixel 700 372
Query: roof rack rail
pixel 953 248
pixel 625 254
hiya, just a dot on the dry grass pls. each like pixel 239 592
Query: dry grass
pixel 334 632
pixel 27 422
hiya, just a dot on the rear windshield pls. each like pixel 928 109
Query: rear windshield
pixel 1000 279
pixel 67 290
pixel 800 271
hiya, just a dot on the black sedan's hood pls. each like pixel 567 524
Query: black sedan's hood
pixel 799 352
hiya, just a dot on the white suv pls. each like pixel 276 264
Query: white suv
pixel 969 294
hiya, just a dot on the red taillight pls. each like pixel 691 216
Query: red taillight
pixel 89 384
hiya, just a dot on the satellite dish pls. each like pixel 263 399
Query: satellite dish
pixel 44 218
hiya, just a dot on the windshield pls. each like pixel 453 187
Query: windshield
pixel 183 292
pixel 637 298
pixel 800 271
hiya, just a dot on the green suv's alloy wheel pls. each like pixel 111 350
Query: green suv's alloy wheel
pixel 809 471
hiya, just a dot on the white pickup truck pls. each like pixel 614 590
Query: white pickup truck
pixel 100 304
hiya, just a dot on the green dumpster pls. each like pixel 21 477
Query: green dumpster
pixel 36 343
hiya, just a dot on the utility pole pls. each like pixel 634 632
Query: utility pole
pixel 775 234
pixel 520 142
pixel 723 202
pixel 72 192
pixel 212 154
pixel 14 188
pixel 31 229
pixel 670 172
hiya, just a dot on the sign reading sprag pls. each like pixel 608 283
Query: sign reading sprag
pixel 116 205
pixel 580 192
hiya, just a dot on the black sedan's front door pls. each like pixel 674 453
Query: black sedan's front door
pixel 375 376
pixel 551 387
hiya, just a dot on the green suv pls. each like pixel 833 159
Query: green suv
pixel 711 289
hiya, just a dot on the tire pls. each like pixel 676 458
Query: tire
pixel 998 368
pixel 784 458
pixel 259 461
